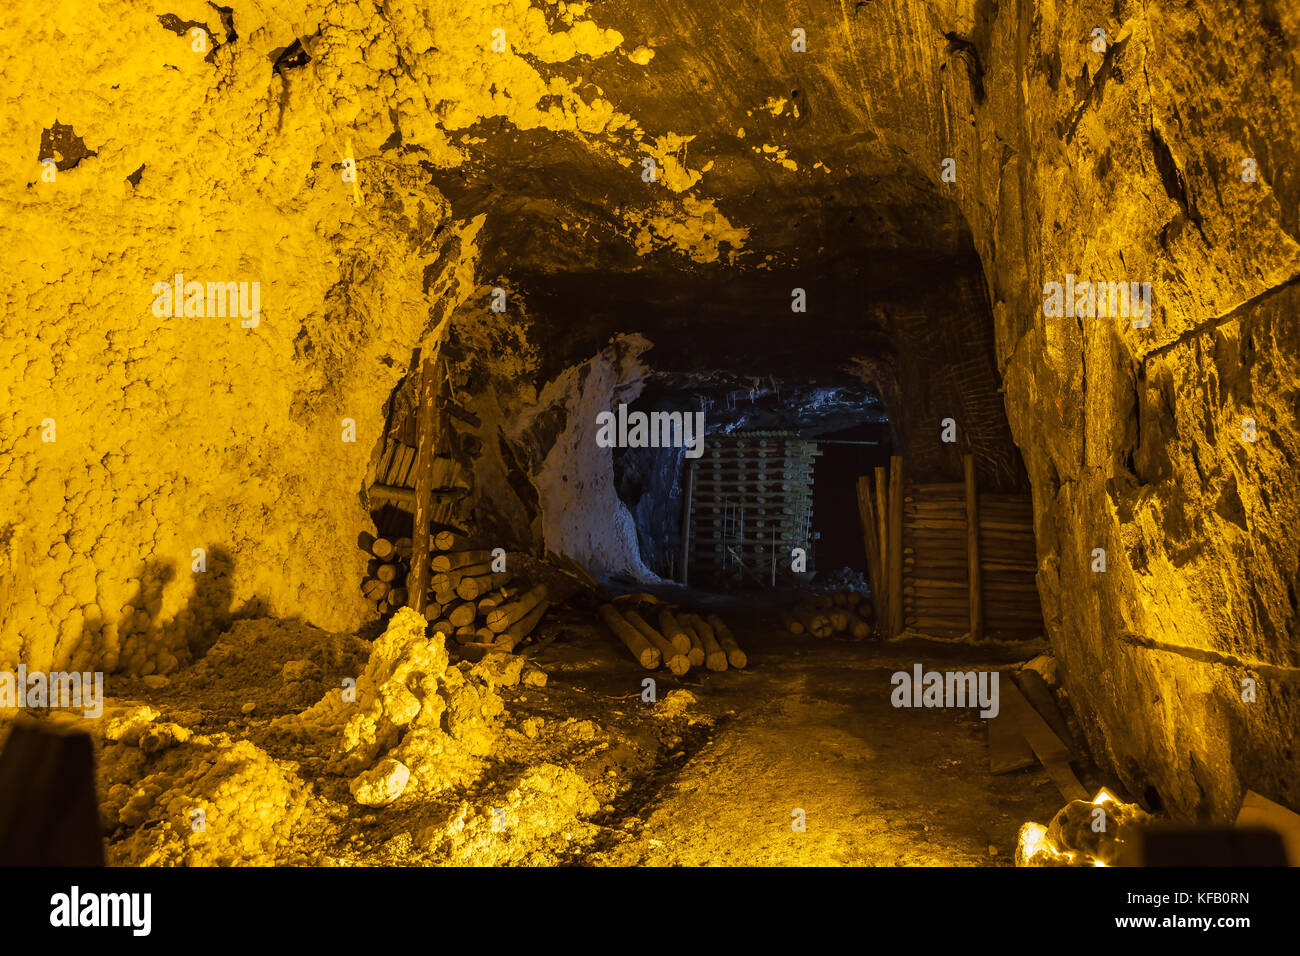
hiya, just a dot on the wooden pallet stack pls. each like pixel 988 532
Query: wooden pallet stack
pixel 949 561
pixel 749 502
pixel 1009 567
pixel 936 586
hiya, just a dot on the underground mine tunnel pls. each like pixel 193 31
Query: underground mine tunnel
pixel 635 434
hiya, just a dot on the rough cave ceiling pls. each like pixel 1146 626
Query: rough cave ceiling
pixel 795 187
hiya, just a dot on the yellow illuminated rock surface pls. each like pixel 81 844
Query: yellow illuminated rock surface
pixel 162 476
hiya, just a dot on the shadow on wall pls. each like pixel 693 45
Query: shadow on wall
pixel 148 638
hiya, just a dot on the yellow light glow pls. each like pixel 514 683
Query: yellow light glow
pixel 1032 836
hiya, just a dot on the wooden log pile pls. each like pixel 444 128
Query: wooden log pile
pixel 658 635
pixel 386 574
pixel 466 599
pixel 845 614
pixel 501 617
pixel 423 478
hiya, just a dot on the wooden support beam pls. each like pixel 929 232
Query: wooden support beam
pixel 870 537
pixel 896 544
pixel 407 496
pixel 417 585
pixel 974 588
pixel 687 502
pixel 882 530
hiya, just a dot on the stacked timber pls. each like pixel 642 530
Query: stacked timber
pixel 385 581
pixel 840 613
pixel 935 584
pixel 937 548
pixel 472 604
pixel 466 600
pixel 750 502
pixel 658 634
pixel 425 474
pixel 1009 567
pixel 424 480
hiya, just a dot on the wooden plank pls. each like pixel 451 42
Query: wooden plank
pixel 688 501
pixel 418 582
pixel 1259 811
pixel 399 469
pixel 896 544
pixel 870 537
pixel 1051 751
pixel 386 462
pixel 886 556
pixel 1008 749
pixel 973 550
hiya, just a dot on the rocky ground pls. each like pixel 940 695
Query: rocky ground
pixel 254 756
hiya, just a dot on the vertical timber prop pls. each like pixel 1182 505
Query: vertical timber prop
pixel 686 521
pixel 870 534
pixel 417 586
pixel 973 577
pixel 896 545
pixel 882 531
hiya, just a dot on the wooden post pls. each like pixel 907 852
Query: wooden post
pixel 686 521
pixel 973 552
pixel 870 537
pixel 896 544
pixel 882 530
pixel 417 585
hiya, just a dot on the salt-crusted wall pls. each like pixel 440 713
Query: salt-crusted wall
pixel 582 515
pixel 129 439
pixel 1127 165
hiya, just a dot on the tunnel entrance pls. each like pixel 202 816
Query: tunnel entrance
pixel 759 507
pixel 885 361
pixel 714 479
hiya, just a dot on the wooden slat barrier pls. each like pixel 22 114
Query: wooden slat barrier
pixel 948 560
pixel 974 595
pixel 749 503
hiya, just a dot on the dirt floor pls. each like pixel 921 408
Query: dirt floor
pixel 806 726
pixel 250 756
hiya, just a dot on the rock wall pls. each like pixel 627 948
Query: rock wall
pixel 130 438
pixel 582 515
pixel 210 141
pixel 1127 165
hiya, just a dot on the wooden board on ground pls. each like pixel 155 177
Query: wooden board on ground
pixel 1259 811
pixel 1008 750
pixel 1051 751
